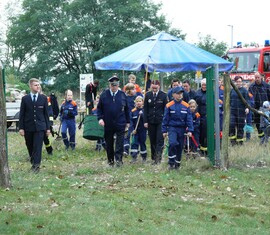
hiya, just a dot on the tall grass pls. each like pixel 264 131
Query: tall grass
pixel 76 193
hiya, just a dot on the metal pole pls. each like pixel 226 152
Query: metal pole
pixel 231 34
pixel 217 117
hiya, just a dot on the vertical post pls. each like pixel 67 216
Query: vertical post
pixel 231 35
pixel 217 116
pixel 210 113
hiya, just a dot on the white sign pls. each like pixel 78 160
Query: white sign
pixel 84 80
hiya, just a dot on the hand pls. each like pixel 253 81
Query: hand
pixel 189 134
pixel 48 132
pixel 141 112
pixel 127 126
pixel 146 125
pixel 134 132
pixel 165 135
pixel 88 103
pixel 21 131
pixel 101 122
pixel 246 110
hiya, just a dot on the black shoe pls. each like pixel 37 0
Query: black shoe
pixel 171 167
pixel 119 163
pixel 111 164
pixel 177 166
pixel 35 169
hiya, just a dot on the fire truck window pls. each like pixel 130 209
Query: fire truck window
pixel 266 60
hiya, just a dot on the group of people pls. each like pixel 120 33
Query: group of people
pixel 129 114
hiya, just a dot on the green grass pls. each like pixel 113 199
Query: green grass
pixel 76 193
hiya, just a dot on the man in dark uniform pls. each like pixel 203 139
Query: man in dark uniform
pixel 261 92
pixel 90 95
pixel 113 114
pixel 34 122
pixel 154 103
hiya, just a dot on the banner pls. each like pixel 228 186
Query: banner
pixel 84 80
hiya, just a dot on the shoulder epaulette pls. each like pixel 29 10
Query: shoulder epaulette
pixel 170 104
pixel 73 103
pixel 197 115
pixel 185 103
pixel 133 110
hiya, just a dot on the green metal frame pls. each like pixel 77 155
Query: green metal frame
pixel 210 113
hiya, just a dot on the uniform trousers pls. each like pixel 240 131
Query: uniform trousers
pixel 117 150
pixel 156 141
pixel 34 141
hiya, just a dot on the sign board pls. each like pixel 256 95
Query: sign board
pixel 84 80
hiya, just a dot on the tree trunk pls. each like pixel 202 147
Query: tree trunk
pixel 226 121
pixel 4 169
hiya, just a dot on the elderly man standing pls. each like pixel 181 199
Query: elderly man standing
pixel 261 92
pixel 113 114
pixel 154 103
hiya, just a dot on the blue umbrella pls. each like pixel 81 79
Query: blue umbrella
pixel 162 53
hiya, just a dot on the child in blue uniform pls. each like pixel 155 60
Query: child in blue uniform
pixel 139 133
pixel 176 121
pixel 264 122
pixel 194 144
pixel 68 112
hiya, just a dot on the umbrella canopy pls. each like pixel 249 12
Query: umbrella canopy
pixel 162 53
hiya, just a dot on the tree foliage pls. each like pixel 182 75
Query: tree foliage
pixel 211 45
pixel 62 38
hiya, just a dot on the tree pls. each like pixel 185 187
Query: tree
pixel 4 170
pixel 62 38
pixel 211 45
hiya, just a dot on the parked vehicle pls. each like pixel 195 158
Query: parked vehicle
pixel 249 60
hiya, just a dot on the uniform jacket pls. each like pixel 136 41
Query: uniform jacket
pixel 196 117
pixel 154 110
pixel 135 113
pixel 236 103
pixel 200 98
pixel 115 113
pixel 34 116
pixel 260 93
pixel 68 110
pixel 177 114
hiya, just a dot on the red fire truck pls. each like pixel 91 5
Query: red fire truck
pixel 249 60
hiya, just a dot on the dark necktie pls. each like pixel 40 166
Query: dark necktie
pixel 154 96
pixel 113 96
pixel 34 98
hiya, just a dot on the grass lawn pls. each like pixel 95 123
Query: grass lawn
pixel 77 193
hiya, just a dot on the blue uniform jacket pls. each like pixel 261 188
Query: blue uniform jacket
pixel 68 110
pixel 236 103
pixel 177 114
pixel 115 113
pixel 134 119
pixel 260 93
pixel 201 101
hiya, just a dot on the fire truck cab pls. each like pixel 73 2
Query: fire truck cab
pixel 249 60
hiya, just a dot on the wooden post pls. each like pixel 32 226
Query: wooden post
pixel 4 169
pixel 226 121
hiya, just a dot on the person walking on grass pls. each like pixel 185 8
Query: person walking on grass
pixel 176 122
pixel 154 103
pixel 138 139
pixel 68 112
pixel 113 114
pixel 34 122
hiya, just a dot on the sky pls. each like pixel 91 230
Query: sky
pixel 250 21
